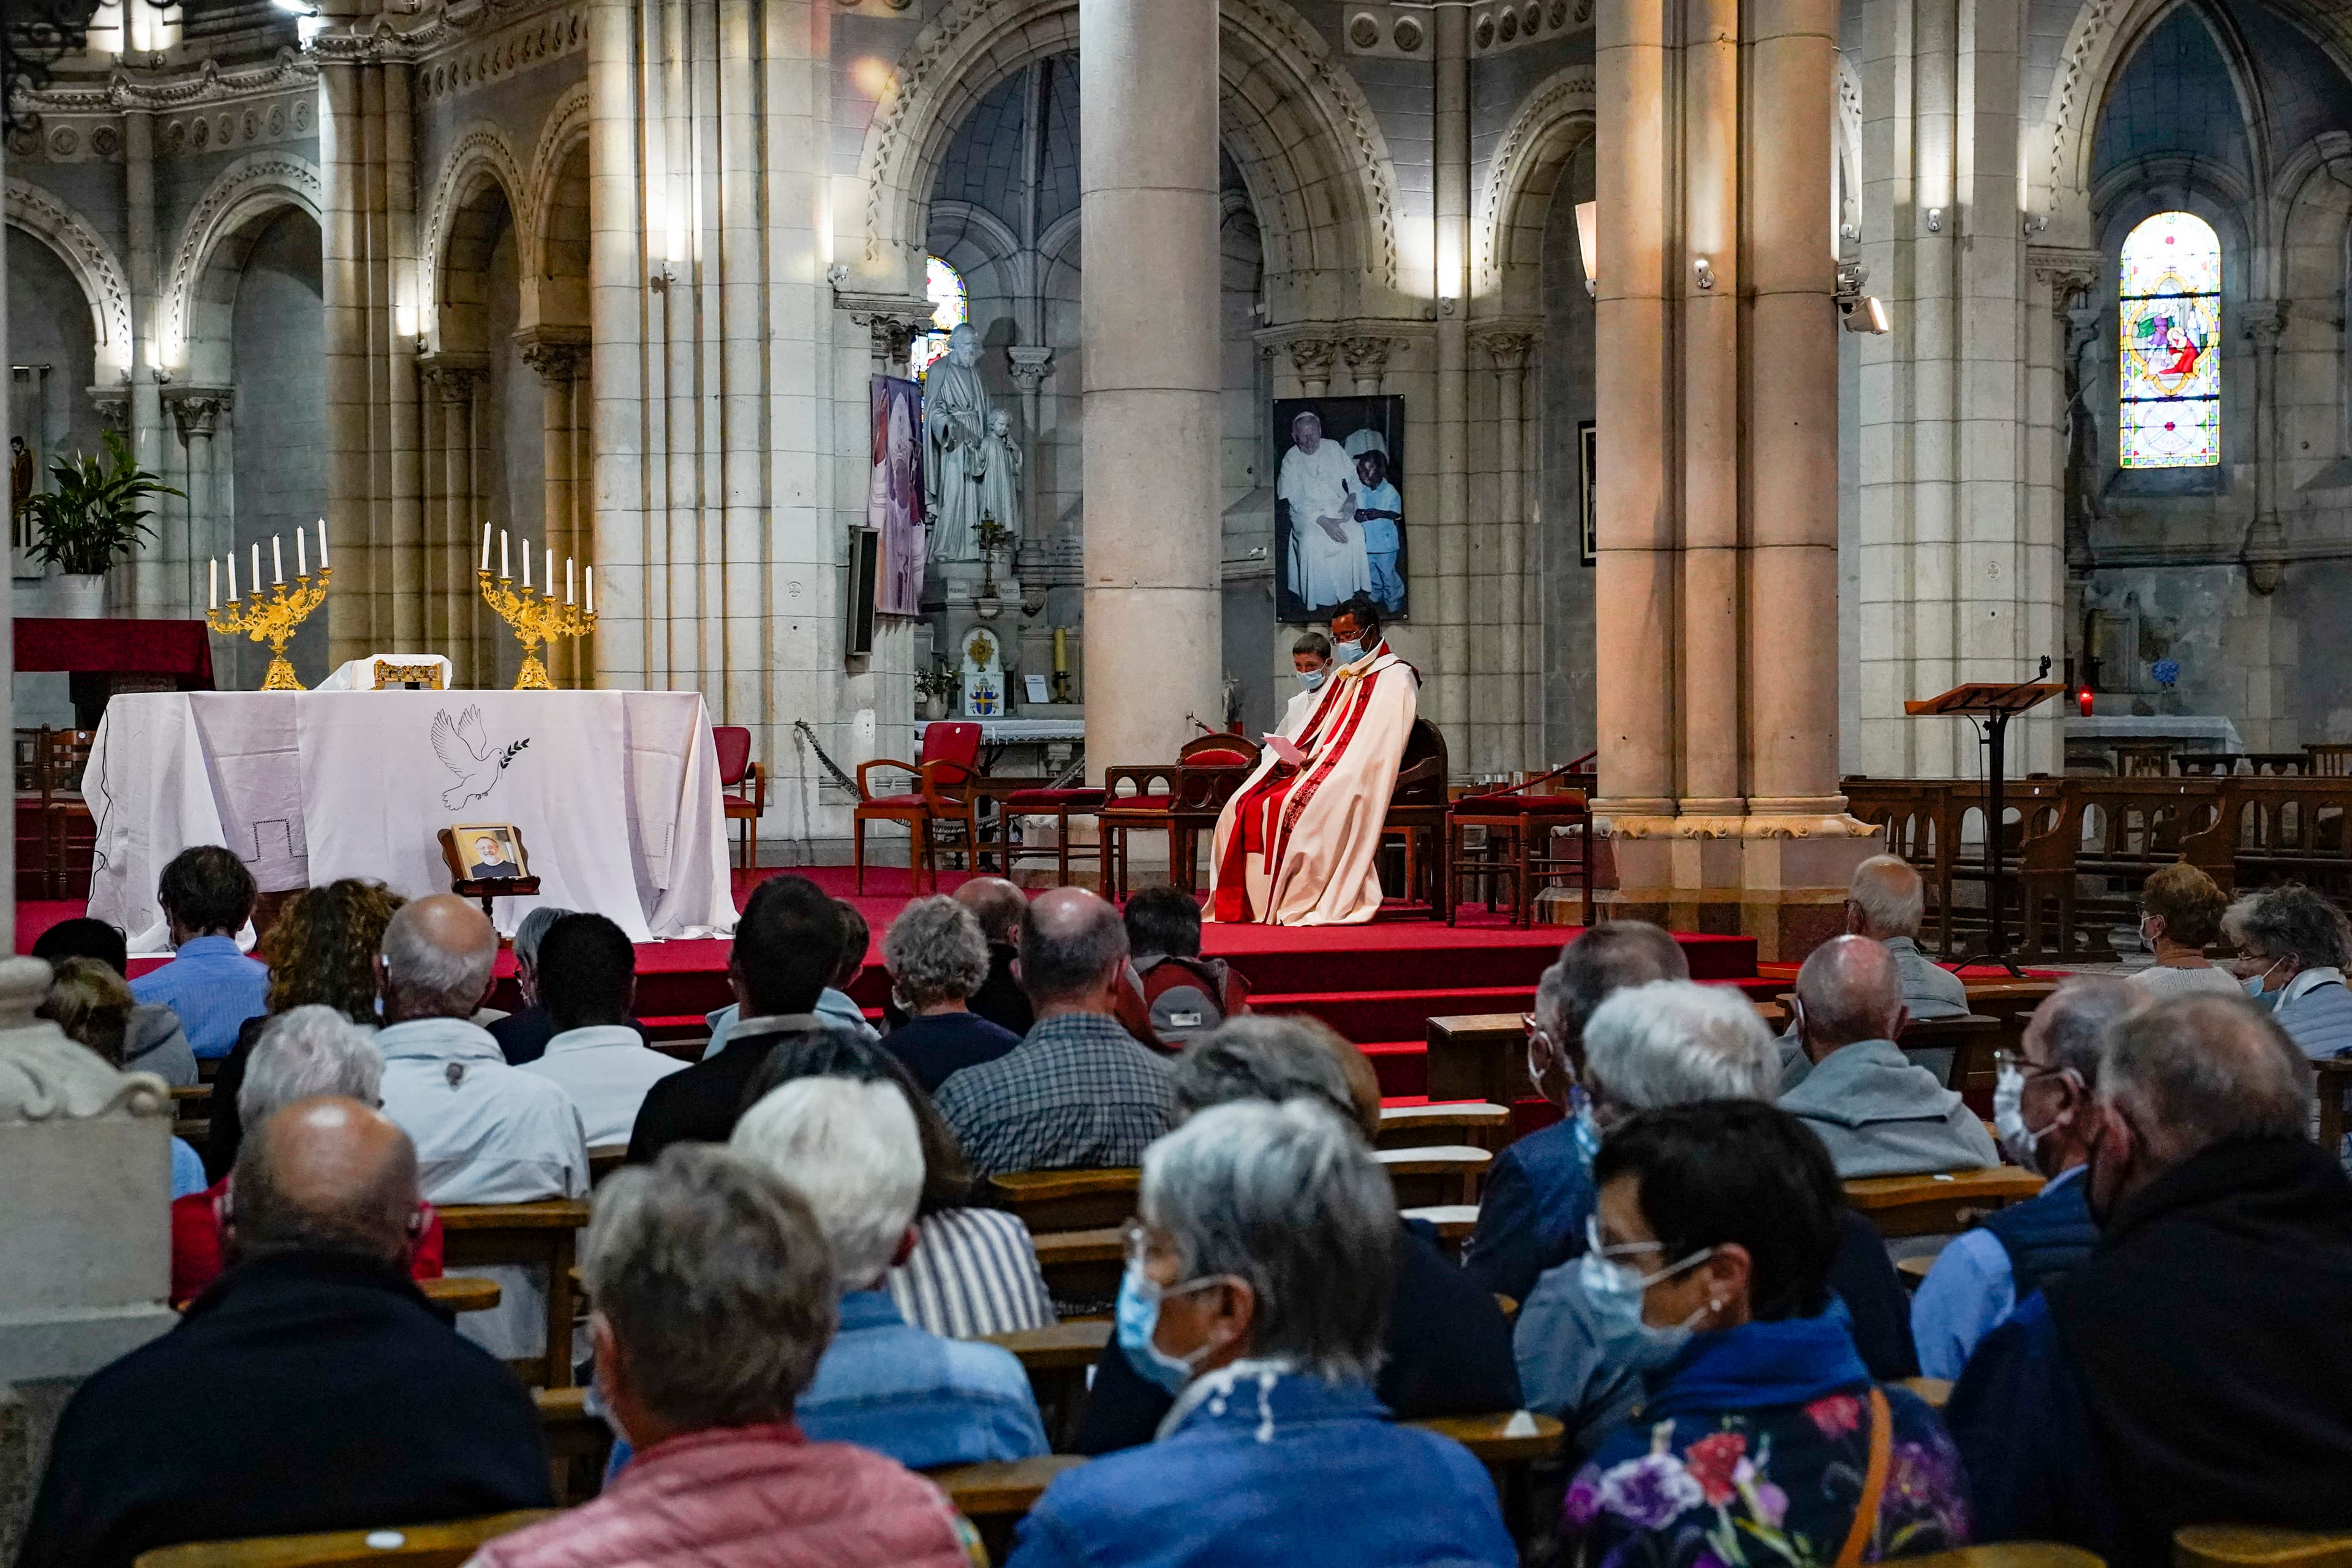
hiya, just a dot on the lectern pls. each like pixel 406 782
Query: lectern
pixel 1996 702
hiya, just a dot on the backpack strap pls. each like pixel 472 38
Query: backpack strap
pixel 1873 1480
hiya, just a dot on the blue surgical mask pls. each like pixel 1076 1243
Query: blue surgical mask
pixel 1347 652
pixel 1615 1293
pixel 2254 988
pixel 2017 1139
pixel 1139 1321
pixel 1584 1131
pixel 1311 678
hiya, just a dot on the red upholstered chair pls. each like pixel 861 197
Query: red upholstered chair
pixel 742 786
pixel 1520 824
pixel 1182 801
pixel 1061 805
pixel 942 773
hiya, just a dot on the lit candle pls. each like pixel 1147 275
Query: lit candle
pixel 526 563
pixel 232 576
pixel 257 566
pixel 277 561
pixel 301 553
pixel 504 575
pixel 486 547
pixel 212 592
pixel 592 589
pixel 567 579
pixel 322 544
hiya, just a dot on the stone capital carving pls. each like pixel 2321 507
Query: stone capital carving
pixel 1508 347
pixel 1029 364
pixel 197 409
pixel 559 354
pixel 893 320
pixel 1368 358
pixel 457 376
pixel 1311 358
pixel 2265 321
pixel 2068 273
pixel 44 1077
pixel 113 405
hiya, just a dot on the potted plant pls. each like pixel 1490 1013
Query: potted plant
pixel 91 521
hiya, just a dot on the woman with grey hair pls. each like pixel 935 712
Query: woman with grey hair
pixel 937 958
pixel 1254 1292
pixel 2293 947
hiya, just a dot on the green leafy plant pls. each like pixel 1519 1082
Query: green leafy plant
pixel 92 519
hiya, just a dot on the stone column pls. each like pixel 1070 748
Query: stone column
pixel 560 354
pixel 2266 545
pixel 1029 365
pixel 1367 362
pixel 1311 358
pixel 197 411
pixel 146 593
pixel 1447 674
pixel 1501 702
pixel 1148 178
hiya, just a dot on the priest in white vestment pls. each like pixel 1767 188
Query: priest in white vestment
pixel 1317 482
pixel 1297 844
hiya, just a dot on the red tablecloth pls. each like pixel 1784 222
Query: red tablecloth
pixel 177 648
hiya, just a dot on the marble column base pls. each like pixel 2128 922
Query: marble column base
pixel 1780 880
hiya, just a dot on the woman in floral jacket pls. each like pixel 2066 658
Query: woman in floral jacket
pixel 1762 1441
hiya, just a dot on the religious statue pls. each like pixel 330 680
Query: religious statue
pixel 955 447
pixel 1000 483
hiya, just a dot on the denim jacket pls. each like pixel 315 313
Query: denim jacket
pixel 1257 1464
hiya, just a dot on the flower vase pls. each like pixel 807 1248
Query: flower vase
pixel 79 596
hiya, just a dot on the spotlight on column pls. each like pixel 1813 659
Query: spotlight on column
pixel 1588 243
pixel 1867 314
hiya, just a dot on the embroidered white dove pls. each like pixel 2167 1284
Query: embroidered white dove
pixel 465 750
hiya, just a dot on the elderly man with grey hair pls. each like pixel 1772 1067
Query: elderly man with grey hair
pixel 1878 1113
pixel 716 1296
pixel 851 1150
pixel 2195 1367
pixel 1255 1286
pixel 1079 1091
pixel 937 957
pixel 1673 1043
pixel 1887 901
pixel 1537 1196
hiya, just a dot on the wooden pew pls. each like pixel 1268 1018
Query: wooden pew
pixel 544 1234
pixel 1938 1205
pixel 1057 1361
pixel 1469 1121
pixel 1068 1200
pixel 1970 1039
pixel 1478 1057
pixel 2257 1546
pixel 404 1546
pixel 579 1445
pixel 1452 1221
pixel 192 1114
pixel 995 1497
pixel 2331 1081
pixel 1435 1173
pixel 1082 1266
pixel 606 1159
pixel 2009 1555
pixel 461 1292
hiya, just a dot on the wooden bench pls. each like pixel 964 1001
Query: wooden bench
pixel 1478 1057
pixel 462 1293
pixel 1435 1173
pixel 579 1445
pixel 606 1159
pixel 1970 1039
pixel 1937 1205
pixel 1452 1221
pixel 2009 1555
pixel 192 1114
pixel 2331 1081
pixel 1068 1200
pixel 405 1545
pixel 1913 1271
pixel 544 1235
pixel 1465 1121
pixel 1057 1360
pixel 1082 1266
pixel 2257 1546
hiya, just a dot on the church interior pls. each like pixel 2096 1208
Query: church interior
pixel 1376 509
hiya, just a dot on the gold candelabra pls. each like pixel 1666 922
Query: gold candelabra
pixel 537 616
pixel 272 620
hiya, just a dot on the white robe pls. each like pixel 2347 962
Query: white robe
pixel 1324 570
pixel 1319 824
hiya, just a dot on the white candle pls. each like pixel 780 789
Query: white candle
pixel 301 553
pixel 212 592
pixel 232 576
pixel 322 544
pixel 567 579
pixel 591 590
pixel 526 563
pixel 486 547
pixel 548 579
pixel 257 566
pixel 504 574
pixel 276 561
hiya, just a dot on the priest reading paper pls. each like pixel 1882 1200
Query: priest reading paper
pixel 1296 843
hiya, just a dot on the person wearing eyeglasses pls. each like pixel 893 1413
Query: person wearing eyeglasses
pixel 2044 1109
pixel 1715 1232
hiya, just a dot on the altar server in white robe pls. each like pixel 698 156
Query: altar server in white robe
pixel 1318 481
pixel 1310 660
pixel 1296 843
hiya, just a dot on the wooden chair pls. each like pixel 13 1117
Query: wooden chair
pixel 2259 1546
pixel 1937 1205
pixel 1522 822
pixel 485 891
pixel 1181 800
pixel 942 772
pixel 62 756
pixel 1478 1056
pixel 1435 1174
pixel 405 1545
pixel 1417 812
pixel 1418 1126
pixel 1061 805
pixel 544 1235
pixel 743 789
pixel 1051 1201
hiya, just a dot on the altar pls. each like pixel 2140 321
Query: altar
pixel 615 796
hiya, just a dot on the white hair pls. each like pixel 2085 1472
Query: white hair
pixel 422 970
pixel 1890 895
pixel 532 930
pixel 852 1151
pixel 1671 1042
pixel 304 1052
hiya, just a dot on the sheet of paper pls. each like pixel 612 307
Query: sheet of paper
pixel 1284 747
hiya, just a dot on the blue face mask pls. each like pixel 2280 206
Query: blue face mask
pixel 1139 1321
pixel 1615 1293
pixel 1311 678
pixel 2254 989
pixel 1347 652
pixel 1583 1131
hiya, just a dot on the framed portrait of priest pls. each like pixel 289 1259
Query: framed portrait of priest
pixel 1338 510
pixel 894 495
pixel 485 852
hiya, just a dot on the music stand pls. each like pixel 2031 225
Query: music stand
pixel 1996 702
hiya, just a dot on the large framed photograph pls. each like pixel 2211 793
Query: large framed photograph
pixel 1338 513
pixel 894 495
pixel 490 851
pixel 1588 450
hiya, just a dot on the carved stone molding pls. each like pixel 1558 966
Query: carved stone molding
pixel 893 320
pixel 113 405
pixel 44 1077
pixel 456 376
pixel 197 409
pixel 1029 364
pixel 2068 272
pixel 206 84
pixel 560 354
pixel 1368 359
pixel 2264 320
pixel 1311 358
pixel 1508 347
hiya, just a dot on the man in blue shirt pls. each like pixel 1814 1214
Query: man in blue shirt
pixel 2047 1119
pixel 207 895
pixel 1539 1190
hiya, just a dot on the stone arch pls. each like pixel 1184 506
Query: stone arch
pixel 1300 126
pixel 240 202
pixel 555 244
pixel 89 257
pixel 1515 200
pixel 479 159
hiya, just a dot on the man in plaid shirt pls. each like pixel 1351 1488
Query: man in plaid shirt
pixel 1078 1091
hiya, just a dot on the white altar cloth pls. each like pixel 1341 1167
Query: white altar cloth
pixel 616 794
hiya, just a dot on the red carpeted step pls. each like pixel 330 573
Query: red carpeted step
pixel 1395 1015
pixel 1402 1067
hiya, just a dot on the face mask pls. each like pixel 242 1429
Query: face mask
pixel 2017 1140
pixel 1139 1322
pixel 1615 1292
pixel 1584 1131
pixel 1347 652
pixel 2254 989
pixel 2146 940
pixel 1310 678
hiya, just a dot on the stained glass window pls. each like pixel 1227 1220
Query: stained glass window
pixel 950 308
pixel 2170 351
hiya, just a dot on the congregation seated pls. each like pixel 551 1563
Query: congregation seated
pixel 152 1041
pixel 1000 907
pixel 587 981
pixel 2194 1368
pixel 206 896
pixel 1887 901
pixel 1253 1297
pixel 1715 1233
pixel 787 945
pixel 937 959
pixel 1539 1191
pixel 522 1037
pixel 1878 1113
pixel 1186 995
pixel 92 1007
pixel 322 951
pixel 836 1008
pixel 716 1296
pixel 2293 947
pixel 1079 1091
pixel 972 1270
pixel 2180 915
pixel 305 1054
pixel 1447 1344
pixel 852 1151
pixel 2044 1108
pixel 312 1388
pixel 1647 1047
